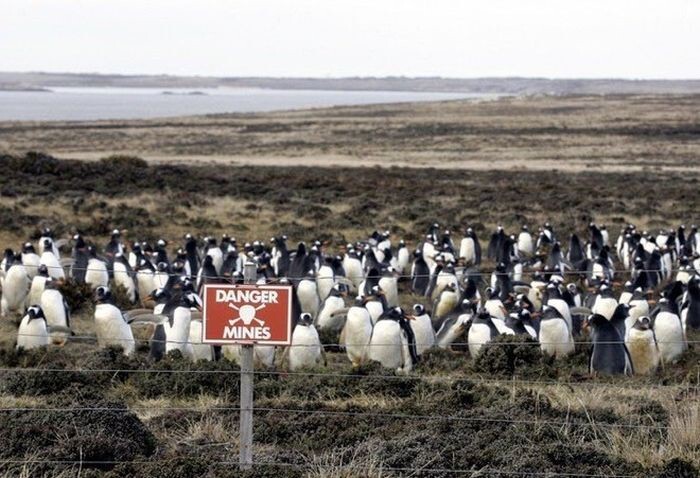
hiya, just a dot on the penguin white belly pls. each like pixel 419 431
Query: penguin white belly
pixel 52 264
pixel 324 281
pixel 35 291
pixel 391 290
pixel 442 281
pixel 385 346
pixel 122 278
pixel 375 309
pixel 403 260
pixel 15 289
pixel 305 350
pixel 638 308
pixel 563 308
pixel 604 306
pixel 357 333
pixel 479 334
pixel 555 338
pixel 111 328
pixel 54 311
pixel 263 355
pixel 217 258
pixel 683 276
pixel 308 297
pixel 200 351
pixel 495 308
pixel 32 334
pixel 525 244
pixel 160 278
pixel 423 331
pixel 31 262
pixel 625 297
pixel 446 304
pixel 325 320
pixel 145 283
pixel 466 250
pixel 670 336
pixel 178 335
pixel 643 351
pixel 96 275
pixel 353 270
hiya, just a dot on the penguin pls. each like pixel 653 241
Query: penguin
pixel 493 305
pixel 15 285
pixel 393 343
pixel 178 313
pixel 353 267
pixel 481 331
pixel 56 311
pixel 445 276
pixel 455 325
pixel 608 354
pixel 526 245
pixel 690 314
pixel 325 278
pixel 280 256
pixel 357 332
pixel 327 318
pixel 125 276
pixel 388 282
pixel 214 251
pixel 520 323
pixel 145 282
pixel 420 274
pixel 376 304
pixel 422 328
pixel 97 274
pixel 162 276
pixel 444 304
pixel 301 263
pixel 627 293
pixel 639 307
pixel 192 256
pixel 207 274
pixel 80 257
pixel 605 303
pixel 33 332
pixel 111 327
pixel 555 337
pixel 30 259
pixel 556 301
pixel 307 292
pixel 201 351
pixel 305 350
pixel 51 260
pixel 37 286
pixel 403 257
pixel 642 347
pixel 669 331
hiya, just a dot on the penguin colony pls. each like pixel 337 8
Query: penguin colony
pixel 354 297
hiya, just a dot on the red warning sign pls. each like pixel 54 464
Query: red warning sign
pixel 247 314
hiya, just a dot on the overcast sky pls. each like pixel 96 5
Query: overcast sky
pixel 322 38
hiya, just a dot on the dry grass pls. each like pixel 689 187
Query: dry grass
pixel 335 465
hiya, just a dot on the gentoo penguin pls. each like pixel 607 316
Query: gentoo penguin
pixel 327 318
pixel 639 307
pixel 376 304
pixel 556 301
pixel 97 274
pixel 481 331
pixel 192 255
pixel 444 304
pixel 627 293
pixel 422 328
pixel 353 267
pixel 420 274
pixel 124 276
pixel 455 325
pixel 15 285
pixel 669 331
pixel 145 278
pixel 393 343
pixel 47 234
pixel 80 257
pixel 30 259
pixel 605 303
pixel 33 331
pixel 201 351
pixel 325 278
pixel 207 274
pixel 301 263
pixel 555 337
pixel 178 311
pixel 51 260
pixel 526 245
pixel 111 327
pixel 642 347
pixel 37 287
pixel 305 350
pixel 403 257
pixel 493 305
pixel 520 323
pixel 215 252
pixel 609 354
pixel 388 282
pixel 357 332
pixel 56 311
pixel 307 291
pixel 690 314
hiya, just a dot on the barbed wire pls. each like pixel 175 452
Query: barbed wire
pixel 486 471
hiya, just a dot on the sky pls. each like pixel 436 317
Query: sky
pixel 330 38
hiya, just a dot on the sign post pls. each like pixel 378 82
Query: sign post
pixel 246 315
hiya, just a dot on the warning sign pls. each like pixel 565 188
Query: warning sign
pixel 247 314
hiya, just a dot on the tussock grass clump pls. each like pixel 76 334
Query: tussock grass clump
pixel 509 355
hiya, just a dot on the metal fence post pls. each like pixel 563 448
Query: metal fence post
pixel 246 398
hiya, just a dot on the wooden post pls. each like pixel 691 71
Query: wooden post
pixel 246 399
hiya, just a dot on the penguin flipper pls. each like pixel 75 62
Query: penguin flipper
pixel 157 319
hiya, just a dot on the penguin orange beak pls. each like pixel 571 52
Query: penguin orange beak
pixel 411 317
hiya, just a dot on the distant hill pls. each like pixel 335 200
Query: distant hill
pixel 514 85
